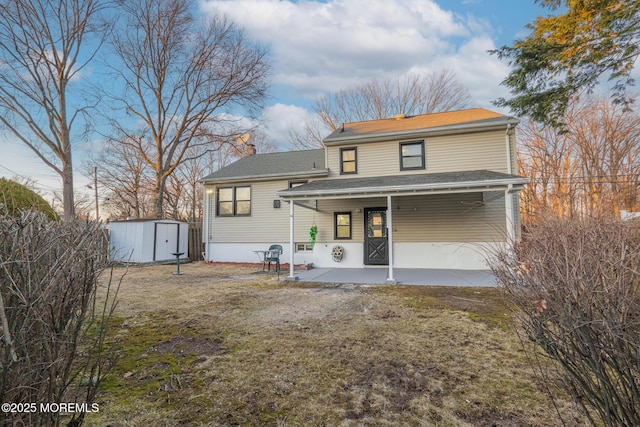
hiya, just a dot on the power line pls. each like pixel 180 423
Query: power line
pixel 26 178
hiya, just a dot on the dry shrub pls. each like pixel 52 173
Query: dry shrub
pixel 53 327
pixel 576 289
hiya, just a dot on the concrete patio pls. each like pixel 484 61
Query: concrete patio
pixel 403 276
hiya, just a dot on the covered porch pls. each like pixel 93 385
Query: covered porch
pixel 390 190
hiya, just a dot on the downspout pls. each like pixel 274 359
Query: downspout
pixel 508 142
pixel 508 196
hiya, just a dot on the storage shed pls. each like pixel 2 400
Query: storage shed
pixel 148 240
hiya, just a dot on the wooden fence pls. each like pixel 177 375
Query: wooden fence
pixel 196 247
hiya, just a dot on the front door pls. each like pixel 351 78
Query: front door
pixel 376 244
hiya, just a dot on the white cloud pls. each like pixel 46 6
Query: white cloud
pixel 322 47
pixel 280 119
pixel 479 71
pixel 319 47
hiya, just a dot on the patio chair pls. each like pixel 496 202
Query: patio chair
pixel 274 256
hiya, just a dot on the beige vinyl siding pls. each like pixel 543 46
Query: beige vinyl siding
pixel 477 151
pixel 266 224
pixel 461 217
pixel 466 217
pixel 324 218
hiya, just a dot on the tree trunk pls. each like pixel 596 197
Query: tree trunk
pixel 67 189
pixel 159 195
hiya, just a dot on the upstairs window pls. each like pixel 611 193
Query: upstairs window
pixel 412 155
pixel 348 161
pixel 234 201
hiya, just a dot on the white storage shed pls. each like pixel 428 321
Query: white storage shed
pixel 148 240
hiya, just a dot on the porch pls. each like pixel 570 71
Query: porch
pixel 403 276
pixel 402 225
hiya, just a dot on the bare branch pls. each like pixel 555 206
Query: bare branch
pixel 182 77
pixel 43 48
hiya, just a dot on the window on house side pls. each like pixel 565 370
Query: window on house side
pixel 234 201
pixel 225 201
pixel 412 155
pixel 348 160
pixel 342 225
pixel 304 247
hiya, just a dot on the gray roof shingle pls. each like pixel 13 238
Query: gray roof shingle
pixel 291 163
pixel 403 183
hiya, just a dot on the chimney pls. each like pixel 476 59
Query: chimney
pixel 249 149
pixel 399 116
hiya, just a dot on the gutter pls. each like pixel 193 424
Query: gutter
pixel 425 132
pixel 266 177
pixel 481 185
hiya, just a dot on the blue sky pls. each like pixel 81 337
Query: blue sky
pixel 318 47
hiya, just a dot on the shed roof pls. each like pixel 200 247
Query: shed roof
pixel 272 165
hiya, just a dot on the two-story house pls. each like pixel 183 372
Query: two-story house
pixel 427 191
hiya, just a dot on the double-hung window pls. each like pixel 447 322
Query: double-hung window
pixel 348 160
pixel 234 201
pixel 412 155
pixel 342 225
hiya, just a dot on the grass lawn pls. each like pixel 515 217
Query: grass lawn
pixel 222 345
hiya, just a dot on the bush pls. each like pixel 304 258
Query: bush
pixel 576 289
pixel 15 198
pixel 53 326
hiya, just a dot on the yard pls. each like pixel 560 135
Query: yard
pixel 222 345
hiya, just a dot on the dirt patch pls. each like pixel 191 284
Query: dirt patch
pixel 180 346
pixel 293 305
pixel 222 345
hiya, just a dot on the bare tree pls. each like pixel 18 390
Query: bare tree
pixel 183 194
pixel 379 99
pixel 589 170
pixel 182 77
pixel 127 178
pixel 44 47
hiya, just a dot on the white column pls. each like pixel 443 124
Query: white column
pixel 508 206
pixel 390 239
pixel 208 194
pixel 292 248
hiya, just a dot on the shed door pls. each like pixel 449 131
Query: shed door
pixel 376 243
pixel 167 241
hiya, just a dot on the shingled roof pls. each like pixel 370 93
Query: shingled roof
pixel 272 165
pixel 480 180
pixel 450 121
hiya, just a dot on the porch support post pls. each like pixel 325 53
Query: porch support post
pixel 292 248
pixel 390 278
pixel 208 194
pixel 508 205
